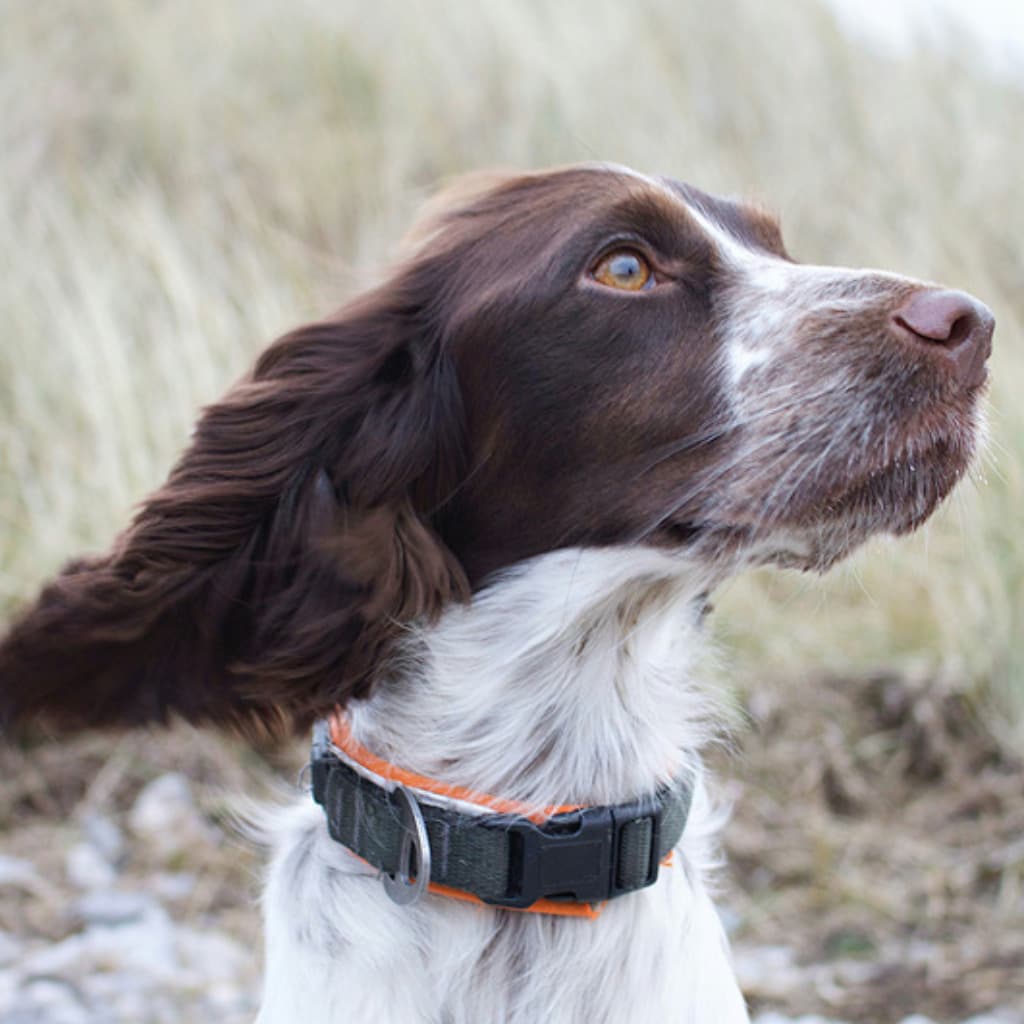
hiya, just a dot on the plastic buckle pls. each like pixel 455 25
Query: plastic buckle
pixel 573 856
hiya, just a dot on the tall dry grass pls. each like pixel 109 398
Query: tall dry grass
pixel 181 181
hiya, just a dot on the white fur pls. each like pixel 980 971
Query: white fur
pixel 569 680
pixel 770 297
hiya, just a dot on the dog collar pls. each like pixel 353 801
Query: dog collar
pixel 422 834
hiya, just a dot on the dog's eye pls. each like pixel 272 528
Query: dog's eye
pixel 624 269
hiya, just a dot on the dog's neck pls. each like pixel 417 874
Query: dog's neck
pixel 568 680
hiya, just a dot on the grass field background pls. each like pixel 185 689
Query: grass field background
pixel 180 182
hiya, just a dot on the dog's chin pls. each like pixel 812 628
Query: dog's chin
pixel 895 500
pixel 821 526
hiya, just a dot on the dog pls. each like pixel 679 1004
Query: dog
pixel 469 526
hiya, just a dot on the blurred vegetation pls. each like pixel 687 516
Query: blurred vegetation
pixel 180 182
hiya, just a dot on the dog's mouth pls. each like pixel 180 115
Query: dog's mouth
pixel 831 475
pixel 895 498
pixel 903 494
pixel 835 511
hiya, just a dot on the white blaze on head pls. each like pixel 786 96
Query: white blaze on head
pixel 769 297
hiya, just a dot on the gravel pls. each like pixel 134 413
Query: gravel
pixel 125 958
pixel 135 932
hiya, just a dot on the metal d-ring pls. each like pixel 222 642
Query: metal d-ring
pixel 409 882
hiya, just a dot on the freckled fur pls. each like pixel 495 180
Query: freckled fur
pixel 482 506
pixel 592 727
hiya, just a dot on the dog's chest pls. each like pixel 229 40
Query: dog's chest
pixel 653 956
pixel 339 950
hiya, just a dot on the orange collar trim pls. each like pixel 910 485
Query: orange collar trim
pixel 341 736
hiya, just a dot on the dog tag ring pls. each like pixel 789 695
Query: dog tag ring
pixel 410 880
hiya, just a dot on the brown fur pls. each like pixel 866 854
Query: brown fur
pixel 252 585
pixel 264 580
pixel 488 403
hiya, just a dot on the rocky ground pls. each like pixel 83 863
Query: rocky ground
pixel 126 892
pixel 876 855
pixel 877 868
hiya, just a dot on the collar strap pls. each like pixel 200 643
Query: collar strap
pixel 560 860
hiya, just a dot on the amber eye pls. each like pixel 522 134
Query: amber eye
pixel 624 269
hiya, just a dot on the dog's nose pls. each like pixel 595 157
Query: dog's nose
pixel 954 325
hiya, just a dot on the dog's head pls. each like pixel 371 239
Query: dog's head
pixel 583 357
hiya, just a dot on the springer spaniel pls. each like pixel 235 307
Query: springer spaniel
pixel 473 521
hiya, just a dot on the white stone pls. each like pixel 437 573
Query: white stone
pixel 111 907
pixel 10 949
pixel 143 947
pixel 166 818
pixel 87 868
pixel 768 971
pixel 731 918
pixel 212 956
pixel 15 871
pixel 173 885
pixel 104 835
pixel 47 1001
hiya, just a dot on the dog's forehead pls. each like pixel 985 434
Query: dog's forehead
pixel 576 204
pixel 686 206
pixel 497 217
pixel 743 221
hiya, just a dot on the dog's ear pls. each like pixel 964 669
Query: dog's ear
pixel 262 582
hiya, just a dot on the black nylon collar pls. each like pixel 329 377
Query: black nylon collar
pixel 507 860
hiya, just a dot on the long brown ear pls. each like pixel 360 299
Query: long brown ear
pixel 262 581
